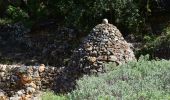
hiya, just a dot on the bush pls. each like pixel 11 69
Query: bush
pixel 156 46
pixel 142 80
pixel 16 13
pixel 148 80
pixel 50 96
pixel 123 13
pixel 4 21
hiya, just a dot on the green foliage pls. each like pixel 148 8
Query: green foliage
pixel 148 80
pixel 125 13
pixel 142 80
pixel 16 14
pixel 50 96
pixel 167 30
pixel 4 21
pixel 128 15
pixel 153 43
pixel 83 14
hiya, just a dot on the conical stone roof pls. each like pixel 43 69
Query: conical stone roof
pixel 105 43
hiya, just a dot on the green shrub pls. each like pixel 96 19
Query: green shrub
pixel 154 43
pixel 145 80
pixel 4 21
pixel 16 13
pixel 123 13
pixel 51 96
pixel 142 80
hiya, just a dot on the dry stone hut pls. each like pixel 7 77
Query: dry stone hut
pixel 105 43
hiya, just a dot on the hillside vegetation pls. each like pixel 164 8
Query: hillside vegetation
pixel 47 32
pixel 142 80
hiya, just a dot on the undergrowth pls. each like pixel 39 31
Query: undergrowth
pixel 142 80
pixel 155 44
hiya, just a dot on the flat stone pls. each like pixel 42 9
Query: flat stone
pixel 30 90
pixel 33 85
pixel 25 79
pixel 94 53
pixel 41 68
pixel 112 58
pixel 20 92
pixel 3 68
pixel 2 74
pixel 92 59
pixel 89 48
pixel 102 58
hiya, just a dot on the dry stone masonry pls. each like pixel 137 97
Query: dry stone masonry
pixel 105 43
pixel 19 82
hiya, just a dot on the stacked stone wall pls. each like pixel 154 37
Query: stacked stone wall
pixel 19 81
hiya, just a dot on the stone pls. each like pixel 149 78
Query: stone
pixel 30 90
pixel 89 48
pixel 25 79
pixel 21 93
pixel 2 95
pixel 105 21
pixel 26 97
pixel 112 58
pixel 2 74
pixel 3 98
pixel 30 70
pixel 102 58
pixel 31 85
pixel 3 68
pixel 92 59
pixel 41 68
pixel 3 84
pixel 21 70
pixel 36 98
pixel 15 98
pixel 94 53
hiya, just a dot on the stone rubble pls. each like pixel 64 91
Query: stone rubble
pixel 19 82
